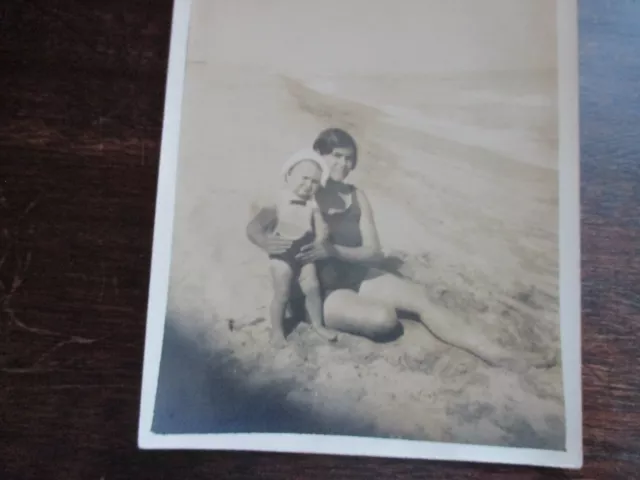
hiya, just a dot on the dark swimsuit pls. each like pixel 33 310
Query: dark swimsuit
pixel 290 255
pixel 336 274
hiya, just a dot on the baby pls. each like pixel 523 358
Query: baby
pixel 299 220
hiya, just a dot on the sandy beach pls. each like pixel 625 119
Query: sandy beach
pixel 461 171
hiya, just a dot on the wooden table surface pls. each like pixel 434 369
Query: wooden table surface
pixel 81 98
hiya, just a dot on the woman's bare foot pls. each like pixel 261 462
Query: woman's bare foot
pixel 277 339
pixel 326 334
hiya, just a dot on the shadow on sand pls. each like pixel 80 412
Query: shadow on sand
pixel 203 392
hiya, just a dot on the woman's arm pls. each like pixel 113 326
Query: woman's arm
pixel 259 232
pixel 370 251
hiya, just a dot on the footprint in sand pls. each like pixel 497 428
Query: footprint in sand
pixel 420 360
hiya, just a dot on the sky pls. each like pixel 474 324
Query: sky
pixel 375 36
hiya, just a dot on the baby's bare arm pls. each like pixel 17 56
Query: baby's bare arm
pixel 260 231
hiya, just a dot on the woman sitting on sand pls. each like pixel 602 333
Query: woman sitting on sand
pixel 359 298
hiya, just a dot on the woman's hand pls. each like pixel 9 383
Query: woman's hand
pixel 276 245
pixel 314 252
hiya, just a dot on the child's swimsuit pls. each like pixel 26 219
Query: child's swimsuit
pixel 290 255
pixel 294 221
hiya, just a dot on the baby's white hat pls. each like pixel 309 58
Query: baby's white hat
pixel 304 155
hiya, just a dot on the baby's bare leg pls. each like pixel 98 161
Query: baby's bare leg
pixel 281 275
pixel 310 286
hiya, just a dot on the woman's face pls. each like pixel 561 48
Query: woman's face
pixel 340 162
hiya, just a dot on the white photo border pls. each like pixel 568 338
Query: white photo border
pixel 570 290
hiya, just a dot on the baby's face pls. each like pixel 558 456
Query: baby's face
pixel 304 179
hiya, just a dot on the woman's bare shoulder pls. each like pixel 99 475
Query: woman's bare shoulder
pixel 356 190
pixel 360 195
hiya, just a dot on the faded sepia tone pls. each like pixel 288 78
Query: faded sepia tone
pixel 453 106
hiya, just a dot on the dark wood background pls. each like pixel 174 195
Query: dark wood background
pixel 81 98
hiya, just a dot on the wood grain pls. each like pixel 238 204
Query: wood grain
pixel 81 97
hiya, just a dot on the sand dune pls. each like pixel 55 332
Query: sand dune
pixel 464 197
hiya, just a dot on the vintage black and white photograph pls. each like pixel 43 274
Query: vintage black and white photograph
pixel 359 231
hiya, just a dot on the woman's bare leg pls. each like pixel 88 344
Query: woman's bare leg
pixel 346 311
pixel 405 295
